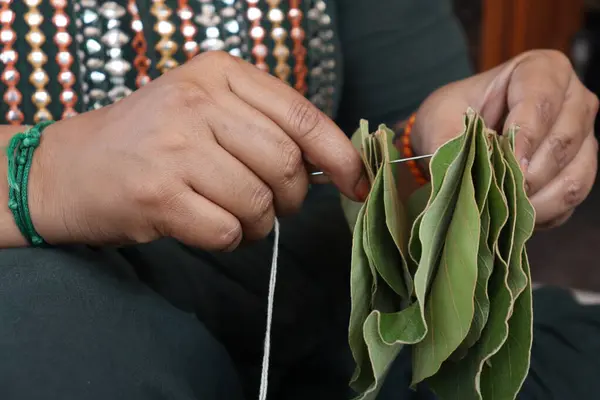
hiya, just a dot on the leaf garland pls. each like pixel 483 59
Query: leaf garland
pixel 447 273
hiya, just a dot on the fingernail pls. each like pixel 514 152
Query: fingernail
pixel 362 189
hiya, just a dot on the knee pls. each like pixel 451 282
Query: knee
pixel 99 329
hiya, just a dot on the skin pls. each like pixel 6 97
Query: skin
pixel 212 151
pixel 540 93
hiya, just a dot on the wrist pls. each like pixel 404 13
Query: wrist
pixel 10 235
pixel 406 145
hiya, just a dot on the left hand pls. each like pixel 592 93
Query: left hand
pixel 540 93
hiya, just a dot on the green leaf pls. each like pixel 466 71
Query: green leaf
pixel 383 252
pixel 446 168
pixel 511 364
pixel 524 214
pixel 462 380
pixel 361 282
pixel 449 308
pixel 482 178
pixel 385 335
pixel 395 214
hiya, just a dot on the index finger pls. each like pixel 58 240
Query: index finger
pixel 322 142
pixel 535 97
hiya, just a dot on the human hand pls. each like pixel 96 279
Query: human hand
pixel 208 154
pixel 539 92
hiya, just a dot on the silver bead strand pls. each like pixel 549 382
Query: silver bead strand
pixel 231 27
pixel 209 20
pixel 92 55
pixel 114 39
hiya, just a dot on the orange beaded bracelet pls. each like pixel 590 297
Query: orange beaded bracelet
pixel 407 152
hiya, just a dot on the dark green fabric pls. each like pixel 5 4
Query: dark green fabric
pixel 395 54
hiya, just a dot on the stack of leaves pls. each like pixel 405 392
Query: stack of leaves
pixel 448 273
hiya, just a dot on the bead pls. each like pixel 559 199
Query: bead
pixel 7 36
pixel 14 116
pixel 33 3
pixel 278 33
pixel 165 28
pixel 13 205
pixel 66 78
pixel 37 58
pixel 185 13
pixel 166 46
pixel 190 46
pixel 142 80
pixel 115 38
pixel 10 76
pixel 68 96
pixel 281 51
pixel 260 50
pixel 7 16
pixel 297 33
pixel 254 14
pixel 212 44
pixel 137 26
pixel 118 93
pixel 8 56
pixel 12 95
pixel 188 31
pixel 112 10
pixel 93 46
pixel 97 76
pixel 60 20
pixel 98 94
pixel 232 27
pixel 118 67
pixel 34 18
pixel 39 78
pixel 257 33
pixel 64 58
pixel 275 15
pixel 62 39
pixel 41 98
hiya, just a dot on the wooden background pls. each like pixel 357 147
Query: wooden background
pixel 501 29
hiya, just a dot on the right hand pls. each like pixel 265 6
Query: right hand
pixel 208 154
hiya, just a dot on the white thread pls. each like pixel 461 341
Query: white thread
pixel 264 376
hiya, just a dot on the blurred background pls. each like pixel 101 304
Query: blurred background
pixel 497 31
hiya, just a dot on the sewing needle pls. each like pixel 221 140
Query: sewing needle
pixel 401 160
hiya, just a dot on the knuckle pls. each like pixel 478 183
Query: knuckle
pixel 526 135
pixel 292 164
pixel 217 61
pixel 304 118
pixel 228 235
pixel 185 96
pixel 261 203
pixel 556 57
pixel 575 192
pixel 545 108
pixel 560 149
pixel 154 194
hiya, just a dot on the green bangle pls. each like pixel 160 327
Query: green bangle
pixel 20 154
